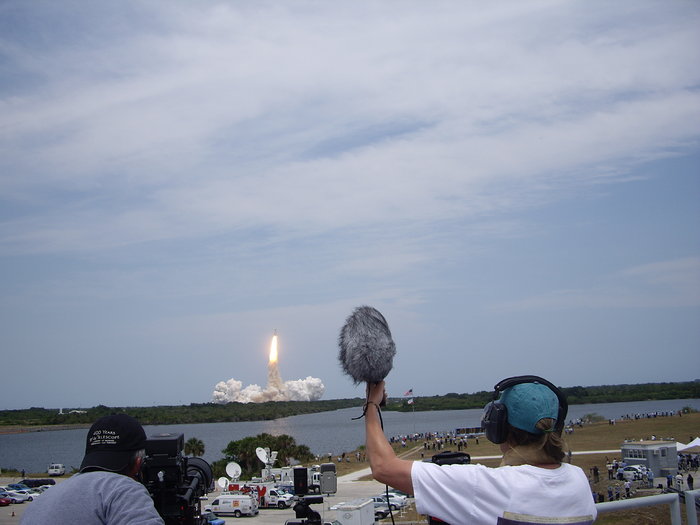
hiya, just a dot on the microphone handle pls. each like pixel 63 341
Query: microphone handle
pixel 383 402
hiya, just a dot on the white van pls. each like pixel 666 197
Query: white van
pixel 56 469
pixel 235 504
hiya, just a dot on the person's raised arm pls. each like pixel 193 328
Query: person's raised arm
pixel 386 467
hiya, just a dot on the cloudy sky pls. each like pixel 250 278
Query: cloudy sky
pixel 515 186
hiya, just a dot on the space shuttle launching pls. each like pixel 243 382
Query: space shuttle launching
pixel 309 389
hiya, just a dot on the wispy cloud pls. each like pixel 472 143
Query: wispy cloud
pixel 199 168
pixel 665 284
pixel 334 122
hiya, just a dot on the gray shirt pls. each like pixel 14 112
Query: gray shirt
pixel 94 498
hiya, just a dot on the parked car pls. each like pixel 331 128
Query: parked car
pixel 24 493
pixel 395 502
pixel 37 482
pixel 4 502
pixel 16 498
pixel 56 469
pixel 399 493
pixel 400 499
pixel 17 486
pixel 381 510
pixel 212 519
pixel 632 472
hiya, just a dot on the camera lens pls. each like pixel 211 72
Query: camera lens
pixel 198 468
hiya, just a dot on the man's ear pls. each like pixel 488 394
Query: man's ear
pixel 136 468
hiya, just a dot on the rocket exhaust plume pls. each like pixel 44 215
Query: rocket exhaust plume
pixel 309 389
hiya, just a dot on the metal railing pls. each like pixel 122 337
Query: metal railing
pixel 691 510
pixel 671 499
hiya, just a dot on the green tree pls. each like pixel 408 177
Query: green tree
pixel 243 452
pixel 194 447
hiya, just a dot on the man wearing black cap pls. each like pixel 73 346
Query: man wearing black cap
pixel 105 491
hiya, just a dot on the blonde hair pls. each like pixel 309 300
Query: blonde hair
pixel 549 441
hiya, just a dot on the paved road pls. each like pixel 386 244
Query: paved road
pixel 347 490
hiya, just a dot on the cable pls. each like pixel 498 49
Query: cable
pixel 381 422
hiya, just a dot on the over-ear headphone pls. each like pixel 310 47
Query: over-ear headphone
pixel 494 422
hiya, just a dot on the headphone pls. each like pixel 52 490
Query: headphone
pixel 494 422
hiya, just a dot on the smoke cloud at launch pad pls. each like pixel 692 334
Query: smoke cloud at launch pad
pixel 309 389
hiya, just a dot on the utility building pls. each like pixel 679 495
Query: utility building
pixel 659 456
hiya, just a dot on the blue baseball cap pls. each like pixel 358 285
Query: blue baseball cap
pixel 527 403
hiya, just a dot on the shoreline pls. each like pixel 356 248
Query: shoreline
pixel 23 429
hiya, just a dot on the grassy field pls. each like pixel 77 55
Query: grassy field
pixel 590 437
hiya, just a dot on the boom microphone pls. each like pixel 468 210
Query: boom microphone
pixel 366 348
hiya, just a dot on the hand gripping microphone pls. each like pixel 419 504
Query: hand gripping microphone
pixel 367 352
pixel 366 348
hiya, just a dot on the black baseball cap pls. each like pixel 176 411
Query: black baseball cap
pixel 112 442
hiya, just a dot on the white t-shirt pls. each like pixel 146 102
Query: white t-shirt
pixel 480 495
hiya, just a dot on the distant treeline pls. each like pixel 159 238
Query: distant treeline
pixel 171 415
pixel 575 395
pixel 232 412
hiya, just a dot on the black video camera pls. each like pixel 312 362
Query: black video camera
pixel 451 458
pixel 175 482
pixel 304 512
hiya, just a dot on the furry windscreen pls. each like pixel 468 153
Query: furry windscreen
pixel 366 347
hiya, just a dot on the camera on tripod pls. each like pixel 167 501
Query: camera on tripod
pixel 324 481
pixel 175 482
pixel 304 512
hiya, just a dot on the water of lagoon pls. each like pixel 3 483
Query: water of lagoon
pixel 326 432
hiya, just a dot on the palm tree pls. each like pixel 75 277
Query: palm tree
pixel 194 447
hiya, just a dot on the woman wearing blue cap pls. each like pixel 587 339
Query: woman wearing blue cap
pixel 532 484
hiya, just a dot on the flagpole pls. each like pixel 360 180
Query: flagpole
pixel 413 407
pixel 411 402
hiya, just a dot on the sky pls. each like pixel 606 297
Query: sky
pixel 514 185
